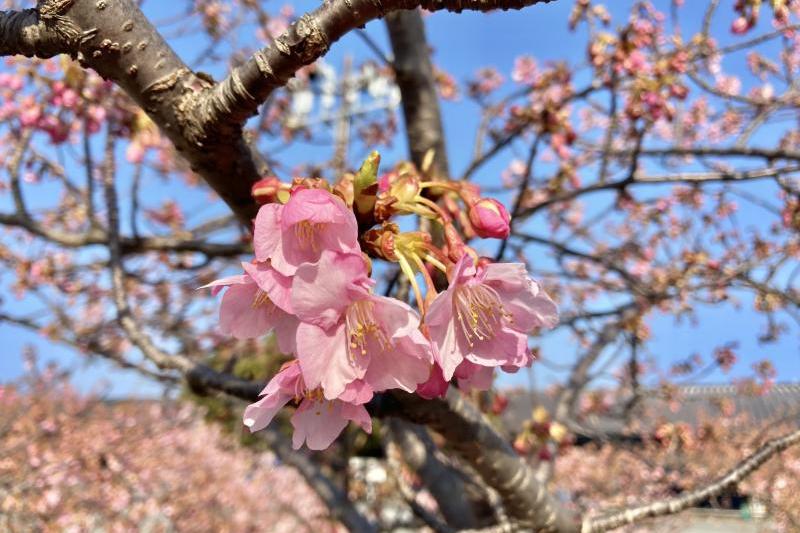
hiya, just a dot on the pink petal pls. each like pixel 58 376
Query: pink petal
pixel 463 271
pixel 277 286
pixel 440 321
pixel 295 253
pixel 534 309
pixel 286 331
pixel 440 312
pixel 316 206
pixel 258 415
pixel 397 318
pixel 521 296
pixel 407 362
pixel 507 346
pixel 218 285
pixel 280 389
pixel 333 227
pixel 449 351
pixel 279 262
pixel 357 392
pixel 340 237
pixel 397 368
pixel 435 387
pixel 267 231
pixel 510 276
pixel 474 377
pixel 288 379
pixel 238 317
pixel 317 424
pixel 357 414
pixel 522 362
pixel 321 291
pixel 324 359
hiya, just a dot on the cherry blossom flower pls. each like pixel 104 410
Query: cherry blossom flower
pixel 347 333
pixel 525 70
pixel 312 220
pixel 255 303
pixel 317 421
pixel 485 314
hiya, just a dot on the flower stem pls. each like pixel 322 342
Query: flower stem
pixel 405 266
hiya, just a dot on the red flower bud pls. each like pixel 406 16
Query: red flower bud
pixel 265 190
pixel 499 404
pixel 489 219
pixel 545 455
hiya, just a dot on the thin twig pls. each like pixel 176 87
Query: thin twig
pixel 692 498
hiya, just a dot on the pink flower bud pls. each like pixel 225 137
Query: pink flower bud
pixel 489 219
pixel 740 26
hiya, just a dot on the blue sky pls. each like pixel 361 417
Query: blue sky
pixel 462 44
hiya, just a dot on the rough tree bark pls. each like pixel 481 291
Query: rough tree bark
pixel 469 435
pixel 415 79
pixel 445 485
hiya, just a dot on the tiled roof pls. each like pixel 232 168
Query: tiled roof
pixel 697 402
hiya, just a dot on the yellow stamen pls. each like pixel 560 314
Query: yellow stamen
pixel 261 299
pixel 307 233
pixel 361 325
pixel 479 311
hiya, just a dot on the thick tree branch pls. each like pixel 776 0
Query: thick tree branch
pixel 415 79
pixel 445 485
pixel 238 96
pixel 395 455
pixel 692 498
pixel 27 33
pixel 470 436
pixel 116 40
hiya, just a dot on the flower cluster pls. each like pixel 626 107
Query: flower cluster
pixel 311 284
